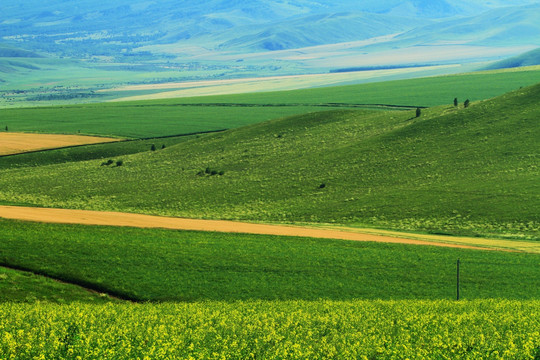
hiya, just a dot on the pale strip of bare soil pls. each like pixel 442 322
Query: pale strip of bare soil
pixel 258 84
pixel 530 246
pixel 85 217
pixel 15 143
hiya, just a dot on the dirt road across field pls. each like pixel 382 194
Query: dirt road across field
pixel 15 143
pixel 85 217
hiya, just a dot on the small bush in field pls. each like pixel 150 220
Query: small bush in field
pixel 210 172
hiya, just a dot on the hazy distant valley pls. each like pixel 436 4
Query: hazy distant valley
pixel 63 51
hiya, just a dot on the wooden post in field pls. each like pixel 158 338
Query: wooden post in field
pixel 457 288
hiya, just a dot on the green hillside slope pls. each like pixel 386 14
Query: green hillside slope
pixel 454 170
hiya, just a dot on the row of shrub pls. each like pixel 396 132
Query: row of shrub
pixel 111 161
pixel 210 172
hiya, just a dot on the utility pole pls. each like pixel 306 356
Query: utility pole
pixel 457 288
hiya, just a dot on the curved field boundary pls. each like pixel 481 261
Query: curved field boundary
pixel 107 218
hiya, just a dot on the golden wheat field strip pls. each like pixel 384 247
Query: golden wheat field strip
pixel 15 143
pixel 107 218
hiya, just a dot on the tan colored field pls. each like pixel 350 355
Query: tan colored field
pixel 271 83
pixel 15 143
pixel 85 217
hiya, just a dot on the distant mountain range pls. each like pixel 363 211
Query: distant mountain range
pixel 182 31
pixel 88 28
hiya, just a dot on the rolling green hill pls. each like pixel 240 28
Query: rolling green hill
pixel 468 171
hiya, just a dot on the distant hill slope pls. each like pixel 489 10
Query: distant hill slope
pixel 507 26
pixel 454 170
pixel 8 51
pixel 314 30
pixel 88 28
pixel 528 59
pixel 12 60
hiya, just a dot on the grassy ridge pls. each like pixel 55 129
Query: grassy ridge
pixel 166 265
pixel 468 171
pixel 172 116
pixel 485 329
pixel 20 286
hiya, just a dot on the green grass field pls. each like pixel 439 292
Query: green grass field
pixel 451 170
pixel 167 265
pixel 175 116
pixel 141 120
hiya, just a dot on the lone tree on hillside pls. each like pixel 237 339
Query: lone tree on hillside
pixel 455 102
pixel 418 112
pixel 466 103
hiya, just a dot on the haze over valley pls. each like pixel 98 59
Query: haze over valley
pixel 91 46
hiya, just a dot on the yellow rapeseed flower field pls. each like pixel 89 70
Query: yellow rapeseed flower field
pixel 480 329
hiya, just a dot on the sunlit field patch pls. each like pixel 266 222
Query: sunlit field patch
pixel 15 143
